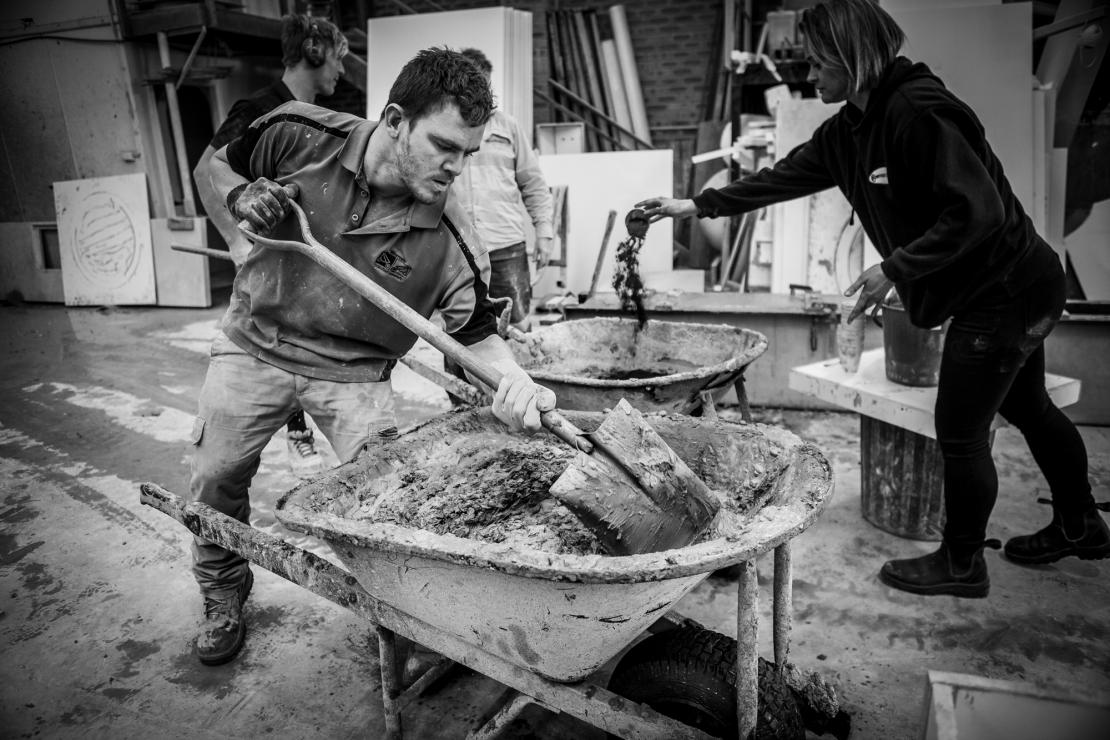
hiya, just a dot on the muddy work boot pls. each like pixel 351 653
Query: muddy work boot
pixel 224 628
pixel 304 460
pixel 939 573
pixel 1084 536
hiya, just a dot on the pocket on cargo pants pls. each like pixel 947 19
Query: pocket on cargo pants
pixel 351 415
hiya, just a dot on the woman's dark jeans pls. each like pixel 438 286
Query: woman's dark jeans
pixel 993 362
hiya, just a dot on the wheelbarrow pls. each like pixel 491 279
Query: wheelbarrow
pixel 542 622
pixel 664 366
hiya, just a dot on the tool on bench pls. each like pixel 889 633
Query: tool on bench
pixel 625 484
pixel 583 297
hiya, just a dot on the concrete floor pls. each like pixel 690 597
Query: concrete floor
pixel 98 606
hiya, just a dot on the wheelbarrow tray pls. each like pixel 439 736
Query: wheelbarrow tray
pixel 593 363
pixel 561 616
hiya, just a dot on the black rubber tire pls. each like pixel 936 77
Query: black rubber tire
pixel 689 674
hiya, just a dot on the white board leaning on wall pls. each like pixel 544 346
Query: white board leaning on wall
pixel 104 236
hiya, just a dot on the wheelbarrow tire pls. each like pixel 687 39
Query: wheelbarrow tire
pixel 689 674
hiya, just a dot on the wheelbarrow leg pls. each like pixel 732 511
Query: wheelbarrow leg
pixel 782 609
pixel 708 405
pixel 742 398
pixel 747 657
pixel 391 684
pixel 512 705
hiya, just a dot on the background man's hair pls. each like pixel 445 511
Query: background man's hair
pixel 478 58
pixel 854 35
pixel 436 77
pixel 308 38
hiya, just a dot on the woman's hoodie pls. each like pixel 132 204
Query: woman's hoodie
pixel 930 193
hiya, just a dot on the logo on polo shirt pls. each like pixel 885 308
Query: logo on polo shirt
pixel 394 264
pixel 878 177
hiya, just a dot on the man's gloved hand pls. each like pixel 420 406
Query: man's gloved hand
pixel 262 203
pixel 519 401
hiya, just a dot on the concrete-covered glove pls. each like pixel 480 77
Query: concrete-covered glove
pixel 262 204
pixel 519 401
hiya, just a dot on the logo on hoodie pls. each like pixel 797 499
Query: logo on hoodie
pixel 878 177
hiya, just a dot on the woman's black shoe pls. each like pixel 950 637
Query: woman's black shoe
pixel 938 574
pixel 1089 539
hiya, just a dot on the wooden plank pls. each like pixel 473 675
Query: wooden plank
pixel 182 279
pixel 590 68
pixel 556 57
pixel 104 231
pixel 615 85
pixel 631 75
pixel 576 79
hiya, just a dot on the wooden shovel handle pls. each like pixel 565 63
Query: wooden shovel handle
pixel 404 315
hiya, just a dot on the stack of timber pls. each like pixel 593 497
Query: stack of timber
pixel 594 78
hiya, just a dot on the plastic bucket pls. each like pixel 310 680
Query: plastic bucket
pixel 912 353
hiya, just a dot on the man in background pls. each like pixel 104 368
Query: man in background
pixel 501 183
pixel 312 51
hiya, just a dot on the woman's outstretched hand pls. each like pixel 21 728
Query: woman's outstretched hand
pixel 657 208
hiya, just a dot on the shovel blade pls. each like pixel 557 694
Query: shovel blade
pixel 634 493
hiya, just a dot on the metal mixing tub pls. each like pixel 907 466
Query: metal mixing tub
pixel 665 366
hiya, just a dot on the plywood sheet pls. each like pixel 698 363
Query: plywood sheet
pixel 104 231
pixel 181 277
pixel 597 183
pixel 1089 250
pixel 806 230
pixel 503 34
pixel 975 50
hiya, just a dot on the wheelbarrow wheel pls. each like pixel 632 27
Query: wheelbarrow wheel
pixel 689 674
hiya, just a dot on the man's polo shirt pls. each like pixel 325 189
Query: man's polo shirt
pixel 290 312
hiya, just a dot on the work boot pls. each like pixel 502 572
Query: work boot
pixel 1084 536
pixel 939 573
pixel 304 460
pixel 224 628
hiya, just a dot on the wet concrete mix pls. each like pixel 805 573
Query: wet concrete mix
pixel 493 487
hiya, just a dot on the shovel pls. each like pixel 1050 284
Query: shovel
pixel 625 484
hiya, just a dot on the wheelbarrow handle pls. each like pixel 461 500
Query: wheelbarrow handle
pixel 407 317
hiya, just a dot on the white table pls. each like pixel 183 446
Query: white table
pixel 901 472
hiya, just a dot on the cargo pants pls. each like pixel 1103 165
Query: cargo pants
pixel 242 403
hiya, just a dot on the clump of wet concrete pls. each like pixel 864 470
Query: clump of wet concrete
pixel 490 488
pixel 494 486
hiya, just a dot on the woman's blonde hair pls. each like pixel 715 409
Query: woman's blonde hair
pixel 854 35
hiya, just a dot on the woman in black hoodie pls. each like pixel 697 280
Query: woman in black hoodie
pixel 914 163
